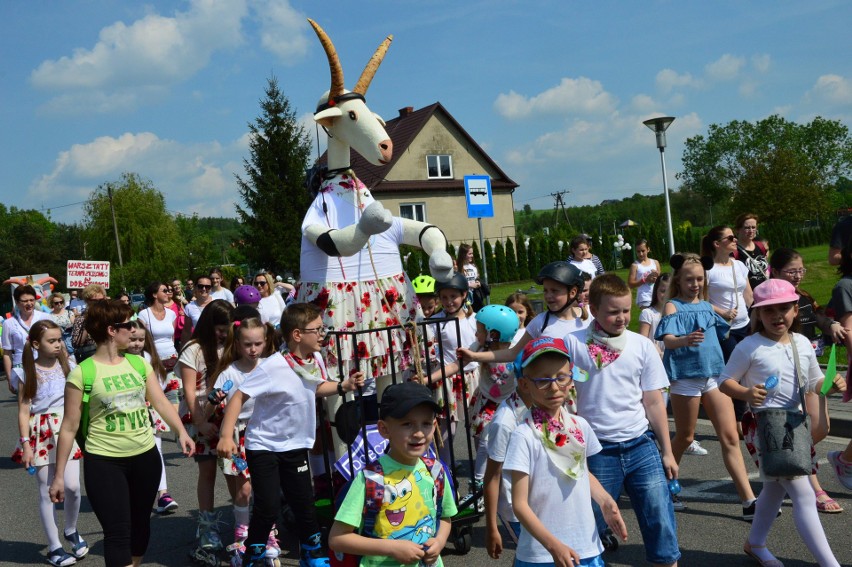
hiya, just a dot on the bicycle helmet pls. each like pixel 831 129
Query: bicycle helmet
pixel 424 285
pixel 499 318
pixel 458 281
pixel 567 274
pixel 246 294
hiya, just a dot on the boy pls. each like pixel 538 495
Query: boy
pixel 281 431
pixel 405 532
pixel 623 403
pixel 424 287
pixel 547 458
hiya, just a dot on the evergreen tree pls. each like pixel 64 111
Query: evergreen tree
pixel 533 257
pixel 523 261
pixel 499 263
pixel 511 262
pixel 273 191
pixel 489 261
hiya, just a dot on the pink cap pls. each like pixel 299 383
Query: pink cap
pixel 773 292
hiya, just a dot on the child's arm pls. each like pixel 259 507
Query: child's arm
pixel 343 539
pixel 434 546
pixel 673 341
pixel 505 355
pixel 226 446
pixel 655 411
pixel 729 380
pixel 155 395
pixel 609 507
pixel 24 427
pixel 563 556
pixel 436 376
pixel 351 384
pixel 491 485
pixel 67 432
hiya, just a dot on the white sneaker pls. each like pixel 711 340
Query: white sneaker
pixel 842 469
pixel 695 448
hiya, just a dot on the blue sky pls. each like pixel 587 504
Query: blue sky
pixel 555 91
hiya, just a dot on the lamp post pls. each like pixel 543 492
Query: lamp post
pixel 659 126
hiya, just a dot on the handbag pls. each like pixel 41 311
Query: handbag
pixel 784 435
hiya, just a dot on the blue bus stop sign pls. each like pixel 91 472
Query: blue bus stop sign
pixel 477 190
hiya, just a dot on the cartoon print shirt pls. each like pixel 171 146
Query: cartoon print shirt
pixel 408 511
pixel 119 424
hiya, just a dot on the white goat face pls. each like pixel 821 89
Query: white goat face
pixel 352 123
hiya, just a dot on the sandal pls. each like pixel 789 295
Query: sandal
pixel 747 548
pixel 829 505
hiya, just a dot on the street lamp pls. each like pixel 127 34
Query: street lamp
pixel 659 126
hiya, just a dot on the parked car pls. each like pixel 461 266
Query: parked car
pixel 137 301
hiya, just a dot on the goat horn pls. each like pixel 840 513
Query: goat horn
pixel 372 66
pixel 333 61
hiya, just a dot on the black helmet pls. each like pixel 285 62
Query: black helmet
pixel 458 281
pixel 567 274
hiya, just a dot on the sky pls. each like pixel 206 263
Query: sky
pixel 554 91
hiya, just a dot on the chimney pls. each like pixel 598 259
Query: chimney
pixel 403 112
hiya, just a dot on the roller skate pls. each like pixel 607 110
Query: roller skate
pixel 475 490
pixel 312 554
pixel 253 556
pixel 206 551
pixel 273 549
pixel 240 535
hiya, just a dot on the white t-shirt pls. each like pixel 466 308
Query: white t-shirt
pixel 756 358
pixel 585 265
pixel 556 327
pixel 271 308
pixel 611 400
pixel 50 392
pixel 237 378
pixel 471 272
pixel 652 317
pixel 192 357
pixel 284 417
pixel 467 332
pixel 504 422
pixel 563 505
pixel 223 293
pixel 162 331
pixel 644 291
pixel 193 311
pixel 721 293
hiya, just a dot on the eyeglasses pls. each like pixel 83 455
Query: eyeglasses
pixel 544 383
pixel 203 286
pixel 58 302
pixel 261 283
pixel 318 330
pixel 127 325
pixel 729 238
pixel 749 228
pixel 792 273
pixel 169 290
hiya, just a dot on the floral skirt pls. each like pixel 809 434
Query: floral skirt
pixel 44 437
pixel 482 413
pixel 749 424
pixel 358 306
pixel 226 464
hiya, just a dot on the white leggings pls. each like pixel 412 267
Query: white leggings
pixel 158 441
pixel 46 508
pixel 805 516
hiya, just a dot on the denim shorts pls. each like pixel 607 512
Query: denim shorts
pixel 636 467
pixel 596 561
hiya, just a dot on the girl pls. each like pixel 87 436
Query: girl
pixel 643 274
pixel 649 318
pixel 471 272
pixel 40 410
pixel 249 341
pixel 693 364
pixel 580 255
pixel 520 304
pixel 580 312
pixel 195 367
pixel 775 350
pixel 142 344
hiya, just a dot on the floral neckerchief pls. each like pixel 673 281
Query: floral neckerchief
pixel 347 187
pixel 308 370
pixel 562 439
pixel 519 408
pixel 498 381
pixel 603 348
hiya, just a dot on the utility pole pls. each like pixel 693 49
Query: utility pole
pixel 115 231
pixel 559 202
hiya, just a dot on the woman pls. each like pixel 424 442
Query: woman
pixel 751 252
pixel 124 297
pixel 219 291
pixel 15 332
pixel 122 466
pixel 62 317
pixel 643 273
pixel 176 303
pixel 160 321
pixel 201 300
pixel 236 282
pixel 83 344
pixel 271 305
pixel 580 255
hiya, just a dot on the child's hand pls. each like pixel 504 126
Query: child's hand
pixel 405 551
pixel 432 551
pixel 466 356
pixel 493 543
pixel 226 447
pixel 564 556
pixel 27 455
pixel 613 519
pixel 838 332
pixel 839 385
pixel 755 395
pixel 57 489
pixel 355 381
pixel 186 443
pixel 694 338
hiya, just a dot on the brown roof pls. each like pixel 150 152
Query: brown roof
pixel 402 130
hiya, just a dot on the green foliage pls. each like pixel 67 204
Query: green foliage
pixel 511 262
pixel 523 261
pixel 29 244
pixel 477 257
pixel 489 259
pixel 273 192
pixel 499 263
pixel 533 256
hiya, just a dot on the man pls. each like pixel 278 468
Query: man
pixel 76 304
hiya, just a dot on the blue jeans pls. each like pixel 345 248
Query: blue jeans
pixel 596 561
pixel 636 466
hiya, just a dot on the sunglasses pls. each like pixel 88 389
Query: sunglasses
pixel 203 286
pixel 729 238
pixel 58 302
pixel 127 325
pixel 261 283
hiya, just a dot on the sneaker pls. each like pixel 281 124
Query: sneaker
pixel 695 448
pixel 677 503
pixel 79 547
pixel 60 558
pixel 165 504
pixel 748 511
pixel 273 549
pixel 208 531
pixel 842 469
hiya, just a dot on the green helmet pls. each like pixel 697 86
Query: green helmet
pixel 424 285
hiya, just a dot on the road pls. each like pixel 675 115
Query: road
pixel 710 530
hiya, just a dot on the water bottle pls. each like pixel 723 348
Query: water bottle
pixel 239 462
pixel 213 396
pixel 674 486
pixel 771 384
pixel 31 470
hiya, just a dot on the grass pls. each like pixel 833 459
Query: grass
pixel 819 282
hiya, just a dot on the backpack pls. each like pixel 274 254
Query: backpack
pixel 89 372
pixel 374 496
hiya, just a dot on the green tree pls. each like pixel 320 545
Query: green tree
pixel 499 263
pixel 523 261
pixel 273 191
pixel 489 260
pixel 151 246
pixel 29 243
pixel 511 261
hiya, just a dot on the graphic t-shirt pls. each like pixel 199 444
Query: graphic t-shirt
pixel 408 511
pixel 119 424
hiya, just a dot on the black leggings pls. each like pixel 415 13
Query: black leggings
pixel 121 490
pixel 272 473
pixel 728 345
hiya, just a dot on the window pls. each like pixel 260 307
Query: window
pixel 413 211
pixel 439 167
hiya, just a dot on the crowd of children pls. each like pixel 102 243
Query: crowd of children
pixel 549 435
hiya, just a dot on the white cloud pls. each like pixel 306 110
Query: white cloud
pixel 832 89
pixel 669 79
pixel 581 95
pixel 725 68
pixel 761 62
pixel 282 29
pixel 643 103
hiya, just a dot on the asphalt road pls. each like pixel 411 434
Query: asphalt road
pixel 710 530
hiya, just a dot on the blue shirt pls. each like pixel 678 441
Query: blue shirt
pixel 703 360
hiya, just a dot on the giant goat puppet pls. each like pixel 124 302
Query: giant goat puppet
pixel 350 265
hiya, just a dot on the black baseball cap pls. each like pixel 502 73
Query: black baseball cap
pixel 399 399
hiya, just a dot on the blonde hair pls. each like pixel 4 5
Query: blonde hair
pixel 148 346
pixel 607 284
pixel 92 290
pixel 689 259
pixel 231 352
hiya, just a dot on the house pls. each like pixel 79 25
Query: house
pixel 425 180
